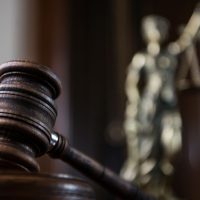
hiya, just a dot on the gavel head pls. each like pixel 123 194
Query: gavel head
pixel 27 113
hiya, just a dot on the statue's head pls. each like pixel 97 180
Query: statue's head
pixel 155 28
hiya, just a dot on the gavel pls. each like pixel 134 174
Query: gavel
pixel 27 115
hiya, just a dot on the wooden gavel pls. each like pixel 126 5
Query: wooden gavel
pixel 27 117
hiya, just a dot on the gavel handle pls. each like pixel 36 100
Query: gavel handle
pixel 90 168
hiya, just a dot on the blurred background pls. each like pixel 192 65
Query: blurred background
pixel 89 44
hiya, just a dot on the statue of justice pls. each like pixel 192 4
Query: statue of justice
pixel 152 119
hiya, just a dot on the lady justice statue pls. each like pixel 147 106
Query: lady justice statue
pixel 152 120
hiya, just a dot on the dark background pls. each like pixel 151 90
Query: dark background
pixel 89 43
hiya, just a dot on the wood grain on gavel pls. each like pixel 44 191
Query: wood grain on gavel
pixel 27 117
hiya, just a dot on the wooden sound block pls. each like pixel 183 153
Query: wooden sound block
pixel 37 186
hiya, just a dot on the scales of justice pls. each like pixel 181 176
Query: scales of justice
pixel 27 115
